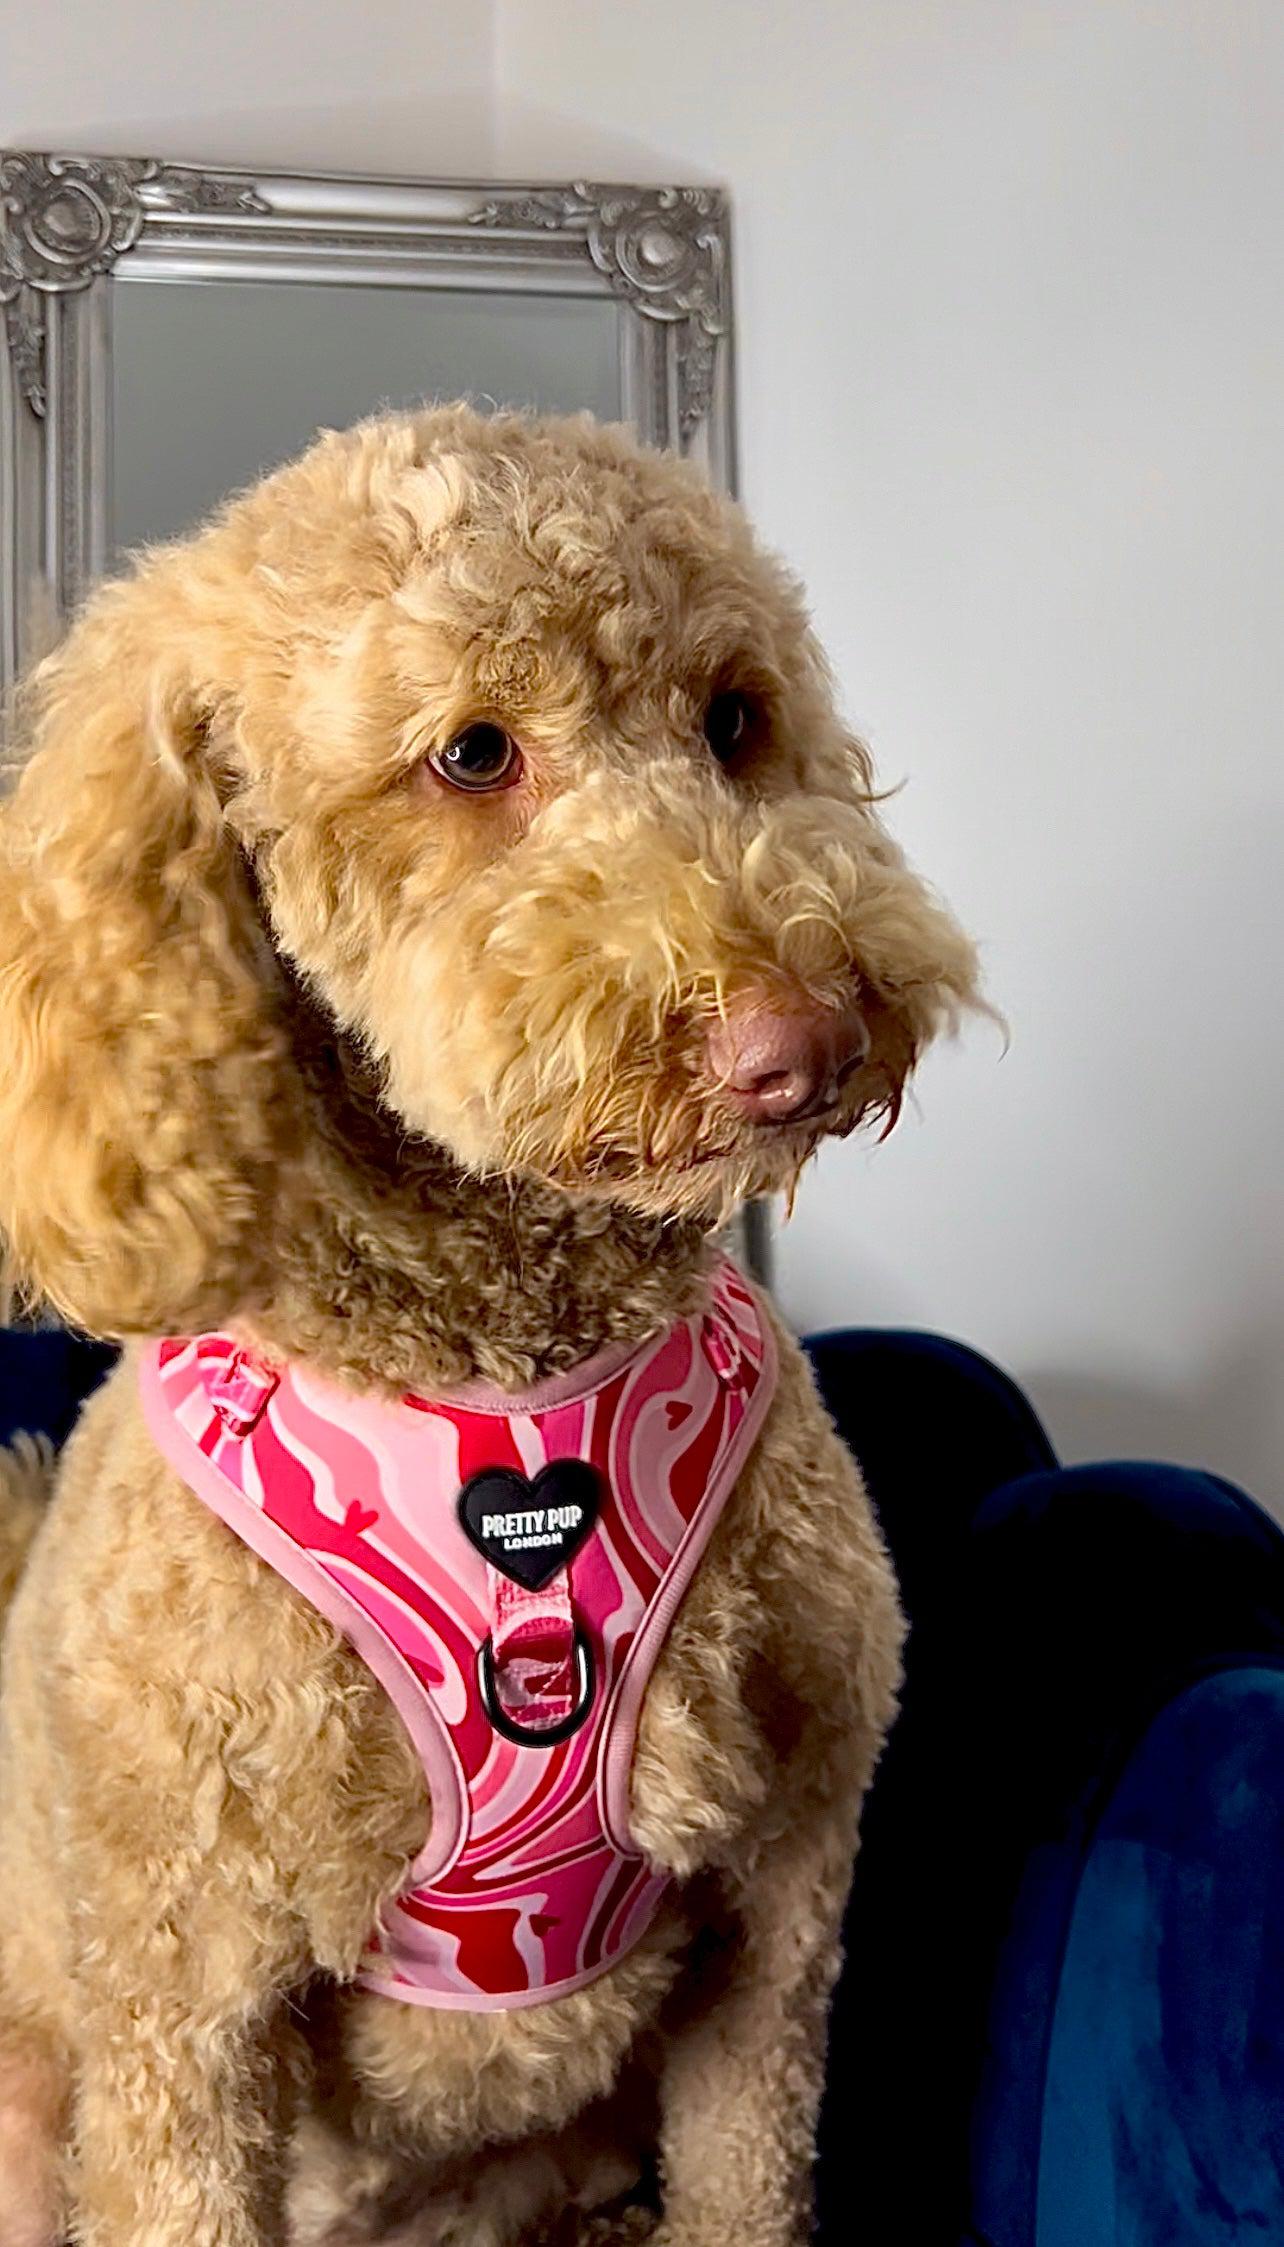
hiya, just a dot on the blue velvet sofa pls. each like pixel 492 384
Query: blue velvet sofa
pixel 1062 2019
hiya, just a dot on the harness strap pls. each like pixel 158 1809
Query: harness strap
pixel 533 1649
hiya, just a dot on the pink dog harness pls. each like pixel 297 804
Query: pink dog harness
pixel 509 1568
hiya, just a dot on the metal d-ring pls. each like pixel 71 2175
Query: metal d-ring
pixel 533 1736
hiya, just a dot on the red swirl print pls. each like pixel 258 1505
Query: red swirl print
pixel 529 1884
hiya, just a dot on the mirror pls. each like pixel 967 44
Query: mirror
pixel 170 332
pixel 212 386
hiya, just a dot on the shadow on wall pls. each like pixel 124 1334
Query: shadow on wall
pixel 443 133
pixel 535 141
pixel 454 131
pixel 1228 1420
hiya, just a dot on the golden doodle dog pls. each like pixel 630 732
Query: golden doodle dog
pixel 438 892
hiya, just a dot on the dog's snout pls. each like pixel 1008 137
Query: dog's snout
pixel 779 1062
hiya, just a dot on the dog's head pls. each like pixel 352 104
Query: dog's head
pixel 507 741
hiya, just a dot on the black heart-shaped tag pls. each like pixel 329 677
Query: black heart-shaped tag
pixel 528 1530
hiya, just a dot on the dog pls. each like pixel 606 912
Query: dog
pixel 438 893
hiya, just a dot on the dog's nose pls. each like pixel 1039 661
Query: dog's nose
pixel 779 1062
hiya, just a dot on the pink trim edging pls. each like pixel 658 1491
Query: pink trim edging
pixel 245 1521
pixel 581 1382
pixel 482 2001
pixel 620 1724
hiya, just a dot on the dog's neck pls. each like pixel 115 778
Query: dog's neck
pixel 394 1269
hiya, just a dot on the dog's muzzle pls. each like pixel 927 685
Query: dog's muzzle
pixel 781 1060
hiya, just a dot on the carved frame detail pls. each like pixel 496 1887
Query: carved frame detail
pixel 662 248
pixel 66 219
pixel 75 227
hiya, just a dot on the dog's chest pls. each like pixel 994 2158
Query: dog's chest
pixel 508 1569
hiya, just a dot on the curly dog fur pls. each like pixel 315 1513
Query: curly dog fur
pixel 415 1083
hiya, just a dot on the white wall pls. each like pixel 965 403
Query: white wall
pixel 388 85
pixel 1010 371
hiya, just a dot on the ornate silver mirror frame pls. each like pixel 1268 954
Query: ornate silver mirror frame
pixel 72 227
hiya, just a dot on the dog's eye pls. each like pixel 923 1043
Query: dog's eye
pixel 729 723
pixel 478 757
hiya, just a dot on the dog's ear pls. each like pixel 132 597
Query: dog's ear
pixel 141 1064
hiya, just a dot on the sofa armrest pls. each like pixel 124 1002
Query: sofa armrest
pixel 1142 2097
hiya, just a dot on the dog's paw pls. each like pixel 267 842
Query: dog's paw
pixel 334 2189
pixel 627 2227
pixel 550 2195
pixel 504 2204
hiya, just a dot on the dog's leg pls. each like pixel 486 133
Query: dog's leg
pixel 182 2106
pixel 740 2080
pixel 33 2097
pixel 453 2081
pixel 571 2184
pixel 33 2081
pixel 162 2131
pixel 740 2084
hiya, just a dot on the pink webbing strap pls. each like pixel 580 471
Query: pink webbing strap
pixel 533 1637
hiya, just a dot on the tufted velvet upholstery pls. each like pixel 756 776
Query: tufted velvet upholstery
pixel 1062 2018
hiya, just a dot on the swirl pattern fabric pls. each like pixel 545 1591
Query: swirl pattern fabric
pixel 529 1884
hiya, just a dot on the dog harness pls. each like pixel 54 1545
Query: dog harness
pixel 509 1567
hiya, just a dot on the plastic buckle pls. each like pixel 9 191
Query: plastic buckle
pixel 242 1392
pixel 722 1347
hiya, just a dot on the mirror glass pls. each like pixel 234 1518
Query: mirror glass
pixel 213 384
